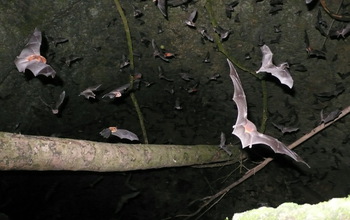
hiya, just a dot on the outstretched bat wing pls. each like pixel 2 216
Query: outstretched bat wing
pixel 31 59
pixel 39 68
pixel 276 146
pixel 238 96
pixel 125 134
pixel 280 72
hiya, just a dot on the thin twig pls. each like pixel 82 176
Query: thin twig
pixel 131 58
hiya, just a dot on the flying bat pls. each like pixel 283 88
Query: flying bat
pixel 341 32
pixel 31 59
pixel 121 133
pixel 162 6
pixel 310 51
pixel 223 144
pixel 246 131
pixel 284 129
pixel 280 72
pixel 89 92
pixel 191 19
pixel 118 92
pixel 55 107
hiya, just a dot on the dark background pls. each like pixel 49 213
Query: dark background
pixel 95 33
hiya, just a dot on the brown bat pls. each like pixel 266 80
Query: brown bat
pixel 191 19
pixel 31 59
pixel 246 131
pixel 121 133
pixel 89 92
pixel 280 72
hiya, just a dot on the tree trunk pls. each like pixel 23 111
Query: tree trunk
pixel 24 152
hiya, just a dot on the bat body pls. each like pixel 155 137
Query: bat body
pixel 191 19
pixel 246 131
pixel 280 72
pixel 121 133
pixel 31 59
pixel 89 92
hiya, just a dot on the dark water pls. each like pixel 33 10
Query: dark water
pixel 95 33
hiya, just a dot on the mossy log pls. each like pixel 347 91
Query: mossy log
pixel 24 152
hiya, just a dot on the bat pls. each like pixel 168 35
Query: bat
pixel 157 52
pixel 207 58
pixel 185 76
pixel 161 75
pixel 118 92
pixel 246 130
pixel 178 105
pixel 340 33
pixel 310 51
pixel 284 129
pixel 223 143
pixel 120 133
pixel 55 107
pixel 124 62
pixel 137 12
pixel 31 59
pixel 229 8
pixel 191 19
pixel 280 72
pixel 89 92
pixel 205 35
pixel 222 32
pixel 70 60
pixel 320 24
pixel 330 117
pixel 162 6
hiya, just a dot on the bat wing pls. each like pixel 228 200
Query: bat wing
pixel 238 95
pixel 162 5
pixel 267 57
pixel 60 100
pixel 33 45
pixel 193 15
pixel 38 68
pixel 125 134
pixel 105 133
pixel 276 146
pixel 282 74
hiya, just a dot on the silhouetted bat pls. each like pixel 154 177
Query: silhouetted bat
pixel 31 59
pixel 222 32
pixel 229 8
pixel 310 51
pixel 118 92
pixel 205 34
pixel 191 19
pixel 280 72
pixel 341 32
pixel 330 117
pixel 284 129
pixel 245 130
pixel 162 6
pixel 55 107
pixel 223 143
pixel 121 133
pixel 89 92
